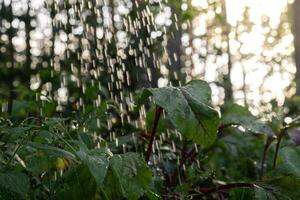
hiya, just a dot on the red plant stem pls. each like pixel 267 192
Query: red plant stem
pixel 193 154
pixel 155 123
pixel 223 126
pixel 226 187
pixel 185 157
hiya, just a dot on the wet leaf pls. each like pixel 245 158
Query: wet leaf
pixel 189 110
pixel 97 162
pixel 234 114
pixel 129 177
pixel 53 151
pixel 289 161
pixel 14 182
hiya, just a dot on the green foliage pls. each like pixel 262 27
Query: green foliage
pixel 78 184
pixel 281 187
pixel 189 110
pixel 33 157
pixel 53 151
pixel 14 184
pixel 289 161
pixel 282 182
pixel 82 158
pixel 129 175
pixel 97 162
pixel 234 114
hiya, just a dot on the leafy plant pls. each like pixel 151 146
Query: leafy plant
pixel 188 150
pixel 189 110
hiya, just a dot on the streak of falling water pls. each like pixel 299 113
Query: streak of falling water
pixel 115 46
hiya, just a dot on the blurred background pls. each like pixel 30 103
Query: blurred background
pixel 68 55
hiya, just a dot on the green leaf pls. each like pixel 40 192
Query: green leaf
pixel 189 110
pixel 78 184
pixel 53 151
pixel 97 162
pixel 263 194
pixel 241 194
pixel 152 196
pixel 129 177
pixel 279 188
pixel 284 181
pixel 55 121
pixel 234 114
pixel 14 182
pixel 162 124
pixel 19 107
pixel 17 132
pixel 46 135
pixel 87 139
pixel 37 163
pixel 289 161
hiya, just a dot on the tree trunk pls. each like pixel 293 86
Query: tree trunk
pixel 28 29
pixel 227 80
pixel 174 48
pixel 175 51
pixel 296 16
pixel 12 93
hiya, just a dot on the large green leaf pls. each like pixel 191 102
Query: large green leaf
pixel 289 161
pixel 274 188
pixel 23 107
pixel 37 163
pixel 97 162
pixel 162 123
pixel 15 183
pixel 129 177
pixel 263 194
pixel 53 151
pixel 189 110
pixel 278 188
pixel 284 181
pixel 78 184
pixel 16 133
pixel 234 114
pixel 241 194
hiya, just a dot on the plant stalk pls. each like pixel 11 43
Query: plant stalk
pixel 277 147
pixel 266 147
pixel 185 157
pixel 226 187
pixel 154 127
pixel 263 162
